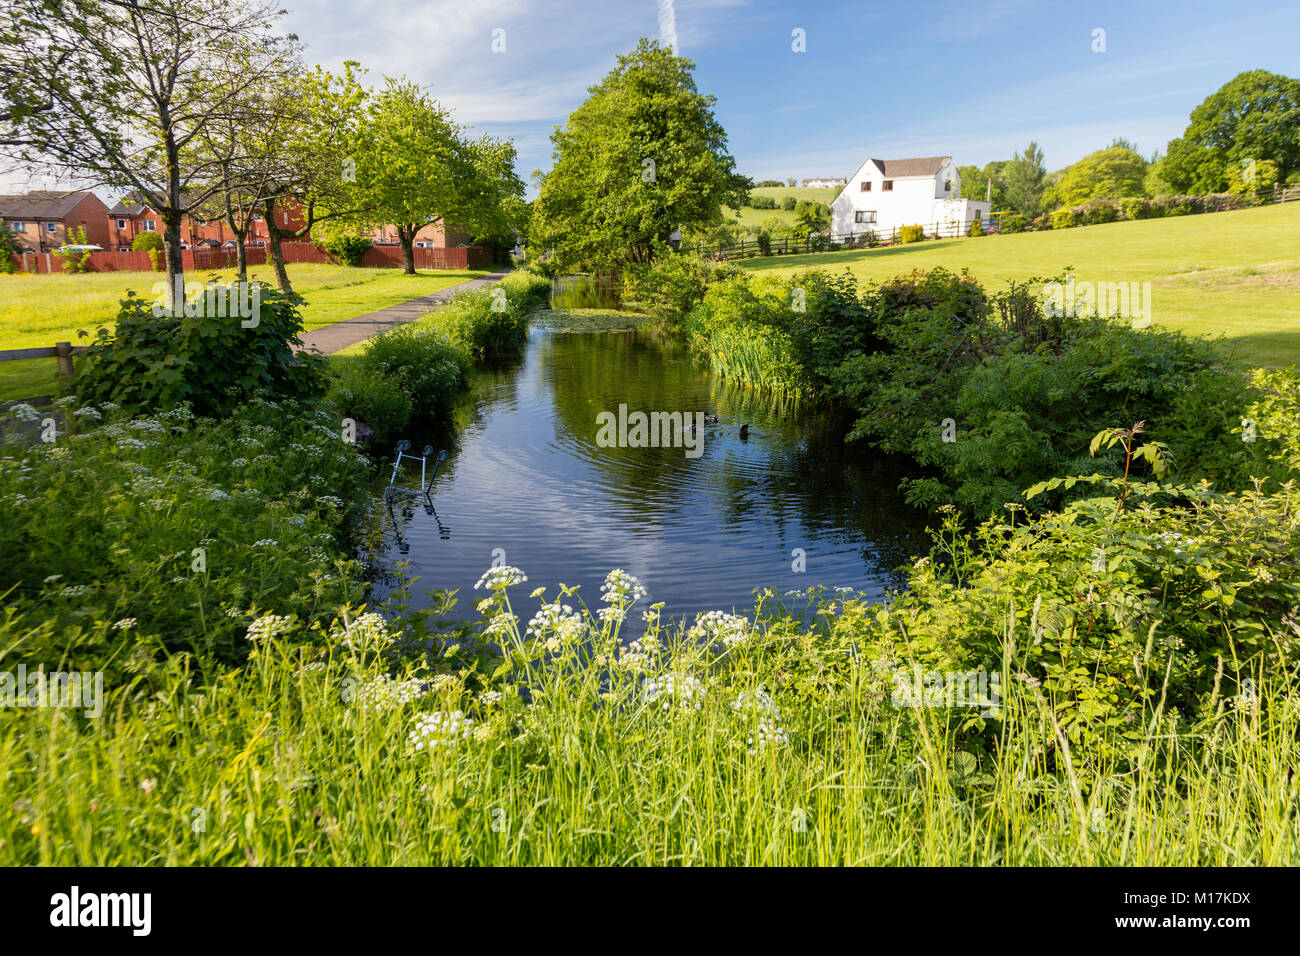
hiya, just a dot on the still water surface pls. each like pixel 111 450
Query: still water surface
pixel 525 475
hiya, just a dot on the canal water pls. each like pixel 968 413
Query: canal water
pixel 527 482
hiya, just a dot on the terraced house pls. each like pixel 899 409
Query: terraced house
pixel 42 220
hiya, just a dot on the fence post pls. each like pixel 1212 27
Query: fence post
pixel 64 351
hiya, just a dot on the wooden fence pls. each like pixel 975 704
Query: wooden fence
pixel 208 259
pixel 821 242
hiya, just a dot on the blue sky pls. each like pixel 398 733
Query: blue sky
pixel 887 79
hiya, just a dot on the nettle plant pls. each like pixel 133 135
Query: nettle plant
pixel 213 363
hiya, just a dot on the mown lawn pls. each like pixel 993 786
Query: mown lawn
pixel 40 310
pixel 1230 274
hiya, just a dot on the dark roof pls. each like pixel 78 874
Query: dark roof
pixel 41 204
pixel 902 168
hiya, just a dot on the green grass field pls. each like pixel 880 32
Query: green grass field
pixel 1230 274
pixel 37 311
pixel 753 218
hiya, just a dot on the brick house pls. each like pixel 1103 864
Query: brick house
pixel 131 216
pixel 433 236
pixel 41 220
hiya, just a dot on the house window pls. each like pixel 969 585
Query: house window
pixel 51 226
pixel 149 225
pixel 887 186
pixel 865 215
pixel 947 185
pixel 123 248
pixel 866 186
pixel 17 227
pixel 121 224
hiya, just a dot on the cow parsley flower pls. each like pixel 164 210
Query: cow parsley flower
pixel 268 626
pixel 767 735
pixel 500 578
pixel 558 619
pixel 440 729
pixel 621 588
pixel 682 688
pixel 720 626
pixel 384 694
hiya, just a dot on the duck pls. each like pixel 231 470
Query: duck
pixel 710 419
pixel 744 432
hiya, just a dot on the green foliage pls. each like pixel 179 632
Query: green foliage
pixel 348 249
pixel 761 202
pixel 1111 173
pixel 975 183
pixel 641 157
pixel 976 228
pixel 170 533
pixel 671 286
pixel 1254 116
pixel 768 182
pixel 1012 222
pixel 1023 179
pixel 1252 179
pixel 152 243
pixel 911 233
pixel 75 262
pixel 9 247
pixel 210 362
pixel 788 203
pixel 366 393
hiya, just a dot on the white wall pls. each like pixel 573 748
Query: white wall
pixel 914 201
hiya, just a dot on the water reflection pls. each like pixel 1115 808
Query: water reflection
pixel 527 477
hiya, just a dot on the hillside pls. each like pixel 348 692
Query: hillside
pixel 1235 274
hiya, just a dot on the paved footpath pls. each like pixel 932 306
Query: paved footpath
pixel 332 338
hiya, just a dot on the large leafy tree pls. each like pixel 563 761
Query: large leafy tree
pixel 1254 116
pixel 417 167
pixel 1023 180
pixel 117 92
pixel 642 157
pixel 975 183
pixel 1110 173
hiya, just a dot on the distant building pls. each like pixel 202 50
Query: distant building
pixel 885 194
pixel 827 182
pixel 41 221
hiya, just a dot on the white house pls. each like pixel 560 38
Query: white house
pixel 885 194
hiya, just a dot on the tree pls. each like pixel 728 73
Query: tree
pixel 416 167
pixel 315 167
pixel 643 156
pixel 1254 116
pixel 1023 178
pixel 975 183
pixel 1111 173
pixel 115 92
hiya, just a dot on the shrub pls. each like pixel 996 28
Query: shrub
pixel 419 364
pixel 174 533
pixel 75 262
pixel 1012 222
pixel 1135 207
pixel 152 243
pixel 671 286
pixel 365 394
pixel 911 234
pixel 9 248
pixel 762 183
pixel 490 322
pixel 1064 219
pixel 762 202
pixel 152 362
pixel 788 203
pixel 976 227
pixel 347 249
pixel 1099 211
pixel 764 240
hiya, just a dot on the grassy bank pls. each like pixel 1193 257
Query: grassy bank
pixel 1231 274
pixel 39 310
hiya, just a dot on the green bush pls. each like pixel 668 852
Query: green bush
pixel 347 249
pixel 173 533
pixel 1135 207
pixel 788 203
pixel 1064 219
pixel 976 228
pixel 365 394
pixel 762 202
pixel 1012 222
pixel 670 286
pixel 911 234
pixel 420 365
pixel 1099 211
pixel 152 243
pixel 211 363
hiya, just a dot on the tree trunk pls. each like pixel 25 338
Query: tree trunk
pixel 173 263
pixel 406 236
pixel 274 236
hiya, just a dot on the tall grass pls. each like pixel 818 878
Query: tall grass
pixel 571 756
